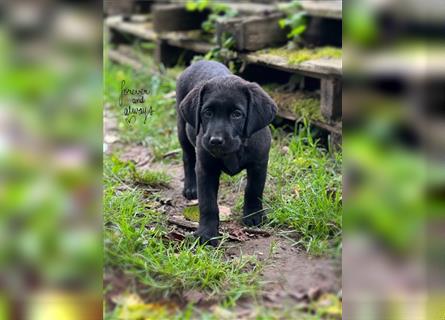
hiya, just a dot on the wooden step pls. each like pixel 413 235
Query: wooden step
pixel 190 40
pixel 323 9
pixel 187 40
pixel 252 33
pixel 175 17
pixel 246 9
pixel 318 68
pixel 315 8
pixel 141 30
pixel 125 59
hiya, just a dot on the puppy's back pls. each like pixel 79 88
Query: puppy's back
pixel 197 72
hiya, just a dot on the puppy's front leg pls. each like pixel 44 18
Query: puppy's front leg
pixel 253 196
pixel 208 184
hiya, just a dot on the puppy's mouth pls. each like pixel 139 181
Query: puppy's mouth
pixel 222 151
pixel 218 152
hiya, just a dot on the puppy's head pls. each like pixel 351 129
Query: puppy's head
pixel 226 110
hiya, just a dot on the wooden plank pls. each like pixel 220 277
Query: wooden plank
pixel 144 30
pixel 116 56
pixel 324 9
pixel 113 7
pixel 186 40
pixel 175 17
pixel 252 33
pixel 245 8
pixel 138 18
pixel 320 68
pixel 335 128
pixel 331 99
pixel 141 30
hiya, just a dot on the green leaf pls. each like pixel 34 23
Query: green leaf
pixel 228 43
pixel 297 18
pixel 191 6
pixel 207 26
pixel 202 4
pixel 220 8
pixel 297 31
pixel 282 23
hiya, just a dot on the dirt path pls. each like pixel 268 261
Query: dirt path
pixel 289 275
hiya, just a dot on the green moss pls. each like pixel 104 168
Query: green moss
pixel 152 178
pixel 305 54
pixel 300 104
pixel 308 108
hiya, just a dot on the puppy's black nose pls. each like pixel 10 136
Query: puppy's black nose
pixel 216 141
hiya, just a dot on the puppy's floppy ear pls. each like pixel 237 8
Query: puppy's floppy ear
pixel 190 106
pixel 261 110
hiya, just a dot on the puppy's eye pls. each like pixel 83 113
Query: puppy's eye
pixel 236 114
pixel 207 114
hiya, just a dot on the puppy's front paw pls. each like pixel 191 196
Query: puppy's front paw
pixel 190 193
pixel 253 218
pixel 207 235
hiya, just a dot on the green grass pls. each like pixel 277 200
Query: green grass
pixel 136 244
pixel 136 231
pixel 304 191
pixel 152 178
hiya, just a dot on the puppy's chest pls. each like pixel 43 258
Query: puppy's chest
pixel 233 165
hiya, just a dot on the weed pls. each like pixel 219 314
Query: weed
pixel 295 19
pixel 218 10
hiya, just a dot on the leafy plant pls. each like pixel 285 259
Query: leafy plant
pixel 223 53
pixel 295 20
pixel 217 11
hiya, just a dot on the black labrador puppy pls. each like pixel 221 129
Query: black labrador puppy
pixel 222 127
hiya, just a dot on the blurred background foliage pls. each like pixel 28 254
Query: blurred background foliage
pixel 393 145
pixel 50 161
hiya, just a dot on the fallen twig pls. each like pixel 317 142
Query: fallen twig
pixel 257 231
pixel 194 225
pixel 183 223
pixel 171 153
pixel 170 95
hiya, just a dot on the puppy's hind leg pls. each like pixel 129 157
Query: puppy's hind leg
pixel 189 159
